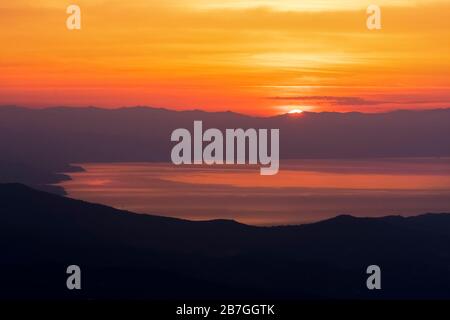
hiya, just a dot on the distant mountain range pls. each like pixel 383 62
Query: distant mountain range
pixel 143 134
pixel 45 141
pixel 126 255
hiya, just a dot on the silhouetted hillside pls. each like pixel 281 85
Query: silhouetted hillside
pixel 126 255
pixel 37 174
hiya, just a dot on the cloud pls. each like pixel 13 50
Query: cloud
pixel 336 100
pixel 305 6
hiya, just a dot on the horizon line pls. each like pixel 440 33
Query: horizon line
pixel 295 115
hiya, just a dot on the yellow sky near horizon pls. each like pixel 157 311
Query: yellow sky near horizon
pixel 257 57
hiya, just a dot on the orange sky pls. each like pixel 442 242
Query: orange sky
pixel 253 56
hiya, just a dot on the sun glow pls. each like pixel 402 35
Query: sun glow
pixel 238 55
pixel 293 109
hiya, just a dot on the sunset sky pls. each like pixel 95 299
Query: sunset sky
pixel 257 57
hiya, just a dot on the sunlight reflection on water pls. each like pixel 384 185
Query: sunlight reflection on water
pixel 303 191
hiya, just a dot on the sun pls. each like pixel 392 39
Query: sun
pixel 295 111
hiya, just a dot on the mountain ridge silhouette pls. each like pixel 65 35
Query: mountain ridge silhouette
pixel 135 256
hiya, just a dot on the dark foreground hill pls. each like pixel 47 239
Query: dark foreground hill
pixel 126 255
